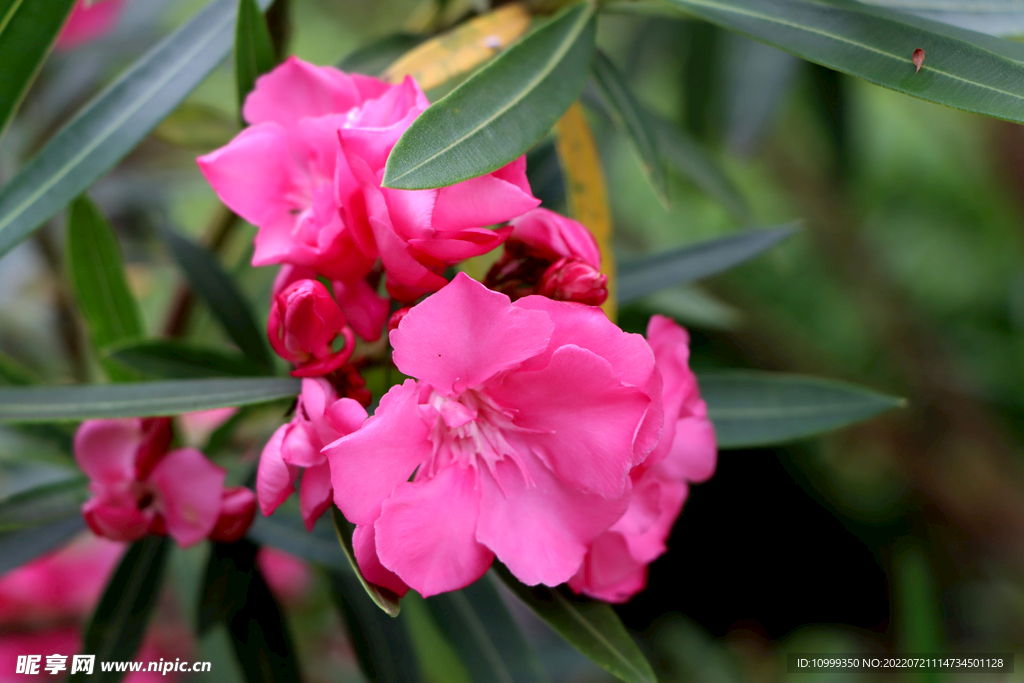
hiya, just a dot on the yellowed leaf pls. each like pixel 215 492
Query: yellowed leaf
pixel 462 49
pixel 586 190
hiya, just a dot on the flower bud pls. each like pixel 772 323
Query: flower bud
pixel 303 324
pixel 237 510
pixel 572 280
pixel 396 318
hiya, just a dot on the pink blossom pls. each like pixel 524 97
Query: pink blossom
pixel 89 21
pixel 288 576
pixel 140 488
pixel 572 280
pixel 237 510
pixel 364 309
pixel 304 321
pixel 198 426
pixel 616 566
pixel 551 236
pixel 320 418
pixel 307 172
pixel 516 440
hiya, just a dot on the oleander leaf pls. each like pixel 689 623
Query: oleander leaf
pixel 254 51
pixel 751 409
pixel 288 533
pixel 382 597
pixel 138 399
pixel 998 17
pixel 115 121
pixel 25 545
pixel 168 359
pixel 42 504
pixel 502 110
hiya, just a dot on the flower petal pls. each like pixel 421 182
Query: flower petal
pixel 484 200
pixel 609 572
pixel 315 493
pixel 297 89
pixel 190 494
pixel 106 449
pixel 364 544
pixel 274 478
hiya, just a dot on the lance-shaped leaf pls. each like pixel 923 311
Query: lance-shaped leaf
pixel 288 533
pixel 750 408
pixel 115 122
pixel 42 504
pixel 631 119
pixel 254 51
pixel 382 597
pixel 695 261
pixel 372 58
pixel 382 644
pixel 19 547
pixel 998 17
pixel 480 629
pixel 166 359
pixel 96 272
pixel 210 281
pixel 28 29
pixel 591 627
pixel 139 399
pixel 501 111
pixel 119 622
pixel 877 45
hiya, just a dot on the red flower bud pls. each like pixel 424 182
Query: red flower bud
pixel 396 318
pixel 570 279
pixel 303 324
pixel 237 510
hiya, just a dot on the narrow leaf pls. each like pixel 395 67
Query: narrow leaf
pixel 998 17
pixel 501 111
pixel 382 644
pixel 96 272
pixel 28 29
pixel 254 51
pixel 119 622
pixel 758 78
pixel 373 58
pixel 591 627
pixel 19 547
pixel 165 359
pixel 287 532
pixel 878 46
pixel 210 281
pixel 42 504
pixel 750 408
pixel 695 261
pixel 114 122
pixel 139 399
pixel 480 629
pixel 382 597
pixel 630 118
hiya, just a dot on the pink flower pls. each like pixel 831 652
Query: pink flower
pixel 139 488
pixel 550 255
pixel 288 576
pixel 616 566
pixel 320 418
pixel 237 510
pixel 308 173
pixel 364 309
pixel 516 441
pixel 303 324
pixel 89 21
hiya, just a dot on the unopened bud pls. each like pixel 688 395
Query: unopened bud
pixel 303 324
pixel 573 280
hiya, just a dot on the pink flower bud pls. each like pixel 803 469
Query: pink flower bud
pixel 396 318
pixel 572 280
pixel 237 510
pixel 304 322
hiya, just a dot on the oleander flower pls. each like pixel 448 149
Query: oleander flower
pixel 88 21
pixel 303 324
pixel 320 418
pixel 364 309
pixel 515 440
pixel 616 566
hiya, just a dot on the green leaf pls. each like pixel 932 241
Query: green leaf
pixel 478 626
pixel 501 111
pixel 631 120
pixel 236 594
pixel 254 51
pixel 13 372
pixel 288 533
pixel 998 17
pixel 750 408
pixel 42 504
pixel 166 359
pixel 119 622
pixel 591 627
pixel 694 261
pixel 28 29
pixel 211 282
pixel 918 610
pixel 382 644
pixel 758 79
pixel 373 58
pixel 19 547
pixel 688 157
pixel 96 272
pixel 114 122
pixel 382 597
pixel 877 45
pixel 139 399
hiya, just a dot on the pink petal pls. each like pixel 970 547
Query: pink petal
pixel 368 464
pixel 556 236
pixel 237 510
pixel 117 518
pixel 315 493
pixel 298 89
pixel 426 533
pixel 364 544
pixel 465 334
pixel 300 446
pixel 482 201
pixel 190 494
pixel 346 415
pixel 609 572
pixel 106 449
pixel 274 478
pixel 365 309
pixel 583 416
pixel 459 245
pixel 694 450
pixel 89 21
pixel 540 530
pixel 649 545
